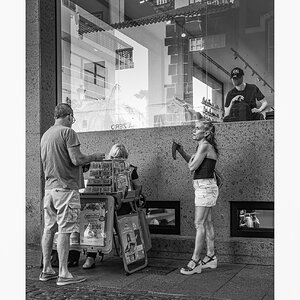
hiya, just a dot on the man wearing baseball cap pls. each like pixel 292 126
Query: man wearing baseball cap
pixel 246 92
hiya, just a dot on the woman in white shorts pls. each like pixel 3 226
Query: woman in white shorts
pixel 202 163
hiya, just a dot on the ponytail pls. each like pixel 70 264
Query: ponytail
pixel 210 137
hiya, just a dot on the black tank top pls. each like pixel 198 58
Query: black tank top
pixel 206 169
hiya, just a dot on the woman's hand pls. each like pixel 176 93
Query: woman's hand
pixel 178 147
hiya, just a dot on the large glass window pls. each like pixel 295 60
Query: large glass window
pixel 137 64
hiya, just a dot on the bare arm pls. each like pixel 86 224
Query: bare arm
pixel 264 104
pixel 199 156
pixel 79 158
pixel 227 111
pixel 137 186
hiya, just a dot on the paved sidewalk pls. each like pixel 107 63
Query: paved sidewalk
pixel 161 280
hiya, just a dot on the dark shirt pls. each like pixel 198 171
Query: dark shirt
pixel 134 174
pixel 251 93
pixel 125 207
pixel 206 169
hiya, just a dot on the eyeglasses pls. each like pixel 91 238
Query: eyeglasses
pixel 199 128
pixel 74 120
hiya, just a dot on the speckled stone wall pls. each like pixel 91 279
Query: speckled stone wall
pixel 246 161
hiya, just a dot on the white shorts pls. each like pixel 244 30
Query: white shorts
pixel 206 192
pixel 61 210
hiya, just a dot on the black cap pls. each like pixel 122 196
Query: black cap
pixel 236 73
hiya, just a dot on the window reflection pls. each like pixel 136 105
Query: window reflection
pixel 160 216
pixel 137 64
pixel 256 218
pixel 252 219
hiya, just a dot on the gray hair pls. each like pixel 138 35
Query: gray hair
pixel 62 110
pixel 118 151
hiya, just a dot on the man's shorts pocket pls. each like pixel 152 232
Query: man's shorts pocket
pixel 73 212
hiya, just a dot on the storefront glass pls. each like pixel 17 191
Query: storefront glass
pixel 138 64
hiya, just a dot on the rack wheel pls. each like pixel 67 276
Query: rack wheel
pixel 101 256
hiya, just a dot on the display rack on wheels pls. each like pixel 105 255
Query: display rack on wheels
pixel 95 226
pixel 96 223
pixel 108 186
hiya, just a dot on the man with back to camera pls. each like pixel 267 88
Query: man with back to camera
pixel 249 93
pixel 62 161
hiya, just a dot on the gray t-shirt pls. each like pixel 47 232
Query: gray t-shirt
pixel 59 170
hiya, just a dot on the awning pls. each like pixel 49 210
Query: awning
pixel 192 10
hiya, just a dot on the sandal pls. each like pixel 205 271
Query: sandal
pixel 192 270
pixel 211 263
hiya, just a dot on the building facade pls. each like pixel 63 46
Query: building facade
pixel 138 72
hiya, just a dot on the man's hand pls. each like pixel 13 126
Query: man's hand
pixel 236 98
pixel 99 156
pixel 255 110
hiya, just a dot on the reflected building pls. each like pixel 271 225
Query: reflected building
pixel 141 64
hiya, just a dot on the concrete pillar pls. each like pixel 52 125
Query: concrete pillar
pixel 40 101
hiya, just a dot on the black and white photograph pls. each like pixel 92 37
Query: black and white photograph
pixel 177 114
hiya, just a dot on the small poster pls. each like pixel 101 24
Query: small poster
pixel 130 233
pixel 92 224
pixel 122 182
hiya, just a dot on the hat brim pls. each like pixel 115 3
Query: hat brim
pixel 236 76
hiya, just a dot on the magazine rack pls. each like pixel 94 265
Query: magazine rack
pixel 131 241
pixel 108 186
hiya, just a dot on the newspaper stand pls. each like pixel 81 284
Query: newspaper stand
pixel 96 223
pixel 127 227
pixel 95 226
pixel 108 186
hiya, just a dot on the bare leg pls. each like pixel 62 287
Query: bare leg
pixel 195 265
pixel 201 214
pixel 47 243
pixel 210 234
pixel 63 246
